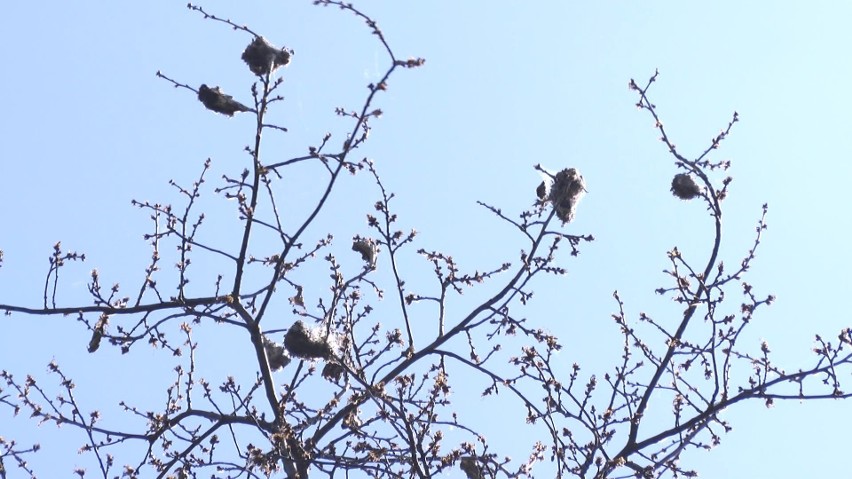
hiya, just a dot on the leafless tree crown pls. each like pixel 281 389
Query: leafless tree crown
pixel 338 390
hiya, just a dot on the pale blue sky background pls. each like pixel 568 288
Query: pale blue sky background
pixel 506 85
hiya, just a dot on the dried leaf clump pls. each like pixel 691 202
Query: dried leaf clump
pixel 213 99
pixel 367 248
pixel 276 354
pixel 563 190
pixel 308 343
pixel 684 187
pixel 262 58
pixel 469 465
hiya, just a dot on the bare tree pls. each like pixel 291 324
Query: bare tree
pixel 343 391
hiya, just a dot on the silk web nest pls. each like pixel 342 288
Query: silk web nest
pixel 262 58
pixel 276 354
pixel 310 342
pixel 368 249
pixel 563 191
pixel 684 187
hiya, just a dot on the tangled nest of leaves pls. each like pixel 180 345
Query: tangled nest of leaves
pixel 563 191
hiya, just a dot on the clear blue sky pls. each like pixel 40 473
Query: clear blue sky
pixel 506 85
